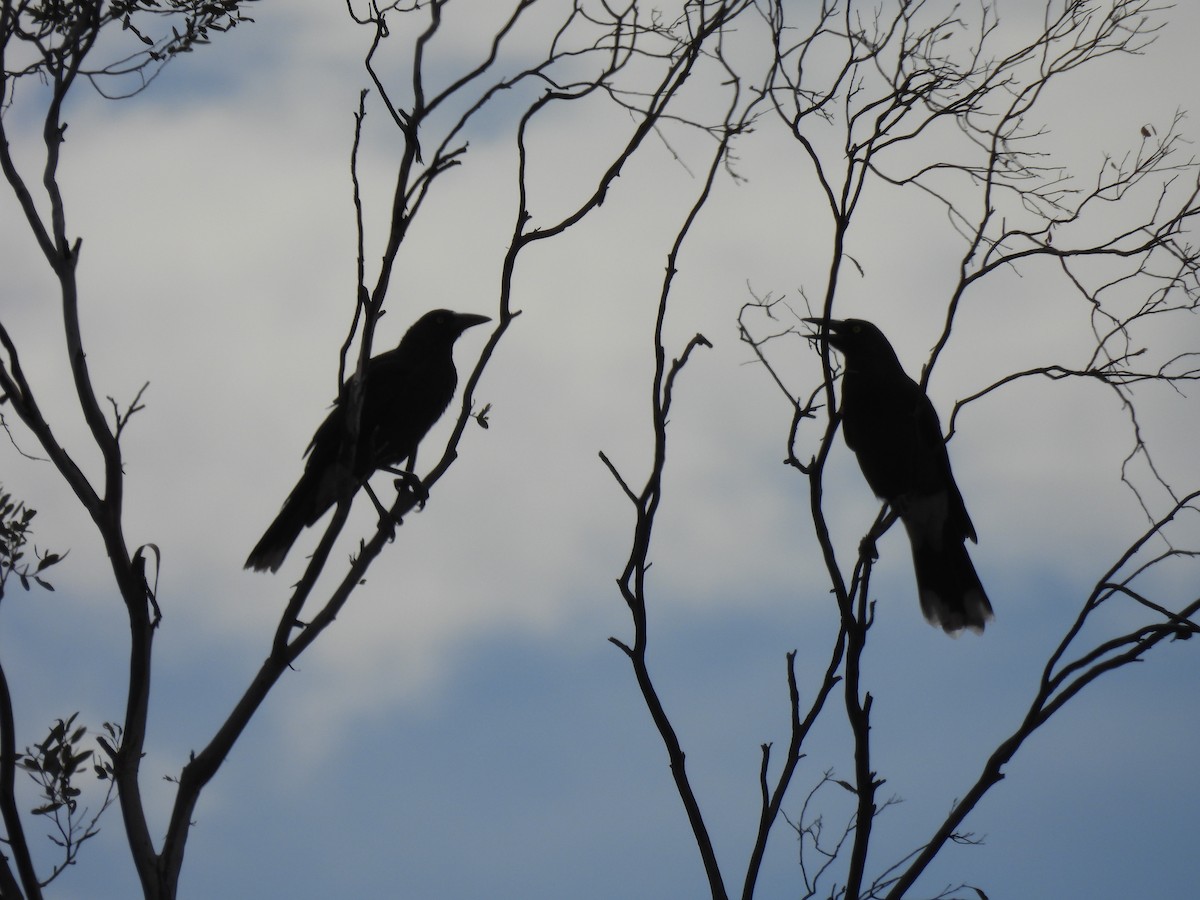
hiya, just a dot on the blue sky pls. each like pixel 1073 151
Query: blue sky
pixel 465 729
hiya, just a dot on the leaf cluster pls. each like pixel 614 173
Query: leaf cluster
pixel 55 764
pixel 15 519
pixel 52 38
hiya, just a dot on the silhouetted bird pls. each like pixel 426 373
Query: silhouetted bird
pixel 894 430
pixel 405 391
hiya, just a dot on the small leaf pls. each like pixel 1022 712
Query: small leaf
pixel 80 757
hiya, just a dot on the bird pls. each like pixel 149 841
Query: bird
pixel 893 429
pixel 405 391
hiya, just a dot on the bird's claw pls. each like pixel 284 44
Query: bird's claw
pixel 388 521
pixel 867 549
pixel 410 482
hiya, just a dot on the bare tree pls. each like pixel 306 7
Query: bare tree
pixel 938 101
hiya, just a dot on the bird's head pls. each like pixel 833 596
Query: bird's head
pixel 858 340
pixel 442 327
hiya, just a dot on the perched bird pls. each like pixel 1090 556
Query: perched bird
pixel 405 391
pixel 894 430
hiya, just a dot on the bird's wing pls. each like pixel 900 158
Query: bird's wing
pixel 935 475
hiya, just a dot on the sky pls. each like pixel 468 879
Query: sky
pixel 465 728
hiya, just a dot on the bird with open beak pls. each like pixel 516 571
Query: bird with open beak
pixel 893 429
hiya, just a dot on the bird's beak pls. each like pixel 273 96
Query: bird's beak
pixel 828 328
pixel 469 320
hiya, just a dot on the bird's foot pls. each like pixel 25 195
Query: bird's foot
pixel 867 549
pixel 411 483
pixel 387 525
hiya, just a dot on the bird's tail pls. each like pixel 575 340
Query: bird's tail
pixel 951 594
pixel 299 511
